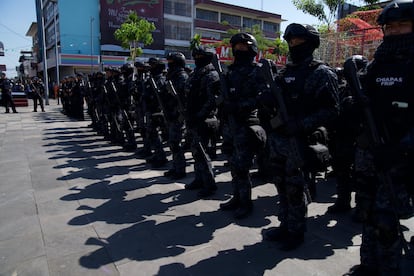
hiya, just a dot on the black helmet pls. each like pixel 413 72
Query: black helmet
pixel 245 38
pixel 303 30
pixel 360 61
pixel 396 11
pixel 127 69
pixel 176 58
pixel 203 51
pixel 153 61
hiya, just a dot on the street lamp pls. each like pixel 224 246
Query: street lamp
pixel 92 19
pixel 45 76
pixel 56 46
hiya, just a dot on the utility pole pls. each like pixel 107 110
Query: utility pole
pixel 45 75
pixel 92 19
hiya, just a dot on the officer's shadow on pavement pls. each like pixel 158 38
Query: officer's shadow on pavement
pixel 150 240
pixel 321 242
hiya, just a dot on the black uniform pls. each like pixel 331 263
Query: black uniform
pixel 310 94
pixel 174 99
pixel 202 88
pixel 38 92
pixel 245 82
pixel 6 95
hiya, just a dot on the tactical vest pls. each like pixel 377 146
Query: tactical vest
pixel 298 87
pixel 390 88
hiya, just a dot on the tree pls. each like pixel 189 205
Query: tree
pixel 317 8
pixel 134 33
pixel 280 47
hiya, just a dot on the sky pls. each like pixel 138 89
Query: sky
pixel 15 20
pixel 18 15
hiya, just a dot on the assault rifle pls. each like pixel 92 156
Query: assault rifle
pixel 36 91
pixel 114 117
pixel 123 111
pixel 224 91
pixel 282 116
pixel 173 92
pixel 157 92
pixel 351 75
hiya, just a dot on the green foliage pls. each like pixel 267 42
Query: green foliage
pixel 195 41
pixel 135 31
pixel 316 8
pixel 323 29
pixel 280 46
pixel 371 2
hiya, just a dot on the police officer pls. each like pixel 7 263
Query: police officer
pixel 125 89
pixel 389 86
pixel 77 95
pixel 154 120
pixel 38 92
pixel 309 90
pixel 174 101
pixel 342 142
pixel 245 82
pixel 6 95
pixel 202 87
pixel 140 105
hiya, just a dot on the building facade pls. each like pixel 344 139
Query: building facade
pixel 78 34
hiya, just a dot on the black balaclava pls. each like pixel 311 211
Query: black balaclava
pixel 396 47
pixel 301 52
pixel 157 69
pixel 202 61
pixel 243 57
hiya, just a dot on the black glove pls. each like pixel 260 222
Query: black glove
pixel 385 156
pixel 291 128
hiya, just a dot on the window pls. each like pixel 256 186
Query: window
pixel 177 30
pixel 250 22
pixel 271 27
pixel 233 20
pixel 207 15
pixel 210 35
pixel 178 7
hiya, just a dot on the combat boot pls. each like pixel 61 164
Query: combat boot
pixel 244 210
pixel 178 175
pixel 276 234
pixel 158 163
pixel 195 184
pixel 292 241
pixel 207 191
pixel 362 270
pixel 339 207
pixel 232 204
pixel 169 173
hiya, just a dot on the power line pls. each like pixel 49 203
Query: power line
pixel 14 32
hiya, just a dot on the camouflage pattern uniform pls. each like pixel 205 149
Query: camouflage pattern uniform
pixel 310 93
pixel 175 120
pixel 387 161
pixel 202 88
pixel 245 82
pixel 154 115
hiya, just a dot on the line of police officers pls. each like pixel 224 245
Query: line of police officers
pixel 272 115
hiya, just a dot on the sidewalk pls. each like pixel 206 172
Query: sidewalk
pixel 72 204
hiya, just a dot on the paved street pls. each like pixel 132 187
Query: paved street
pixel 73 204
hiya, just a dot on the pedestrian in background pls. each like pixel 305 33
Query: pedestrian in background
pixel 6 95
pixel 38 91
